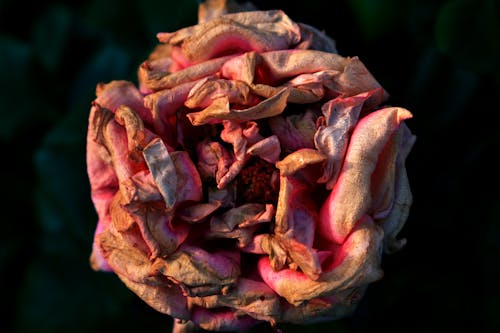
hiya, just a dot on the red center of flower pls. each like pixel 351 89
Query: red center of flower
pixel 257 184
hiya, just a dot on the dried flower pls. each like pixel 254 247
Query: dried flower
pixel 253 175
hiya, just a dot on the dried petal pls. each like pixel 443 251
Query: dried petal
pixel 257 30
pixel 219 110
pixel 157 80
pixel 359 264
pixel 225 150
pixel 350 199
pixel 295 131
pixel 162 168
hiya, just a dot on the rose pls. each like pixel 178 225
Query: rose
pixel 254 176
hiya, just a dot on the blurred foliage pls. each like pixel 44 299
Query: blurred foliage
pixel 440 59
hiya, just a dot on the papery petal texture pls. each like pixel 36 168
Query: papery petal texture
pixel 253 176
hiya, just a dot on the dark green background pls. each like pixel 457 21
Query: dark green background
pixel 437 58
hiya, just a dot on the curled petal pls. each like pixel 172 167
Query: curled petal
pixel 283 64
pixel 220 110
pixel 97 260
pixel 214 160
pixel 257 30
pixel 268 149
pixel 157 80
pixel 221 319
pixel 350 199
pixel 340 116
pixel 295 131
pixel 359 264
pixel 353 79
pixel 312 38
pixel 141 187
pixel 198 212
pixel 394 222
pixel 299 160
pixel 102 176
pixel 243 216
pixel 117 93
pixel 334 306
pixel 205 91
pixel 135 270
pixel 162 296
pixel 198 272
pixel 162 168
pixel 164 105
pixel 253 298
pixel 174 173
pixel 242 68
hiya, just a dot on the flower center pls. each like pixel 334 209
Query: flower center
pixel 258 182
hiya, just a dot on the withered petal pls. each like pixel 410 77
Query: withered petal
pixel 205 91
pixel 243 216
pixel 162 168
pixel 295 131
pixel 268 149
pixel 395 220
pixel 359 265
pixel 220 110
pixel 221 319
pixel 166 80
pixel 116 93
pixel 350 198
pixel 298 160
pixel 198 212
pixel 257 30
pixel 198 272
pixel 251 297
pixel 341 115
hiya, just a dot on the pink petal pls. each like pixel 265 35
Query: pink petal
pixel 135 270
pixel 242 216
pixel 223 319
pixel 350 199
pixel 197 212
pixel 340 115
pixel 163 170
pixel 294 131
pixel 102 177
pixel 394 222
pixel 237 32
pixel 117 93
pixel 267 149
pixel 253 298
pixel 164 105
pixel 220 110
pixel 213 160
pixel 359 264
pixel 156 80
pixel 97 260
pixel 200 273
pixel 205 91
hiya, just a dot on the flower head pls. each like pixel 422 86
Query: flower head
pixel 254 175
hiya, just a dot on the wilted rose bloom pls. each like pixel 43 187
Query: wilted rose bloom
pixel 253 176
